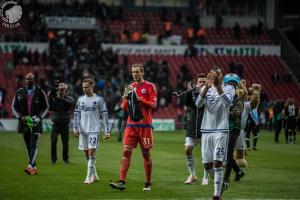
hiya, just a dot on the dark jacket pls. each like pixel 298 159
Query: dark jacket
pixel 39 108
pixel 194 116
pixel 61 107
pixel 235 114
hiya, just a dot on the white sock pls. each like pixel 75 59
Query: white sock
pixel 95 171
pixel 211 172
pixel 91 166
pixel 205 174
pixel 190 164
pixel 218 180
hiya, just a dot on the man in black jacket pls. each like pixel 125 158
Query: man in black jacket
pixel 193 134
pixel 61 104
pixel 30 106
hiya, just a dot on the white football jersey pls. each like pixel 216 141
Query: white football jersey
pixel 216 112
pixel 87 115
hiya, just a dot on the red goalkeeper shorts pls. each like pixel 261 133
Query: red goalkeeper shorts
pixel 135 135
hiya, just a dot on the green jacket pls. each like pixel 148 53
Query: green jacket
pixel 235 113
pixel 194 116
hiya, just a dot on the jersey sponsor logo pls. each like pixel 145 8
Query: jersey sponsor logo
pixel 88 108
pixel 143 91
pixel 211 99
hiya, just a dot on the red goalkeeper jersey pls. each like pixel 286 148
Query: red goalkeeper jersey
pixel 148 101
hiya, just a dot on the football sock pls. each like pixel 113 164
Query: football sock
pixel 205 174
pixel 218 180
pixel 125 165
pixel 147 166
pixel 95 170
pixel 91 166
pixel 190 164
pixel 211 172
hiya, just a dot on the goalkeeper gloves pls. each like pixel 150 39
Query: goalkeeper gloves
pixel 36 120
pixel 31 122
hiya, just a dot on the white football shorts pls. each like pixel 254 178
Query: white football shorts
pixel 192 142
pixel 88 142
pixel 214 146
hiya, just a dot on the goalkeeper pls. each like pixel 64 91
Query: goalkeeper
pixel 30 106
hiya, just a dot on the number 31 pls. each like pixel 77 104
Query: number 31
pixel 146 141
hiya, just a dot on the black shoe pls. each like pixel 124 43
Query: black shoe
pixel 216 198
pixel 120 185
pixel 53 162
pixel 226 180
pixel 147 187
pixel 66 162
pixel 224 187
pixel 239 175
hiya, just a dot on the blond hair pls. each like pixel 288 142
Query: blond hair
pixel 139 66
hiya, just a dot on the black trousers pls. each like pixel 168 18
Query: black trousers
pixel 254 128
pixel 63 130
pixel 120 126
pixel 231 164
pixel 277 127
pixel 31 141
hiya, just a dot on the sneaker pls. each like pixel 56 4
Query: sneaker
pixel 34 171
pixel 216 198
pixel 66 162
pixel 205 181
pixel 88 180
pixel 95 178
pixel 147 187
pixel 239 175
pixel 226 180
pixel 190 179
pixel 120 185
pixel 30 170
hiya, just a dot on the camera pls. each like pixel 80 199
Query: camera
pixel 54 89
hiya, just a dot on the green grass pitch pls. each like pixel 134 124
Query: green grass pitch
pixel 273 172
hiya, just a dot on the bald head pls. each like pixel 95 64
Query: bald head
pixel 29 80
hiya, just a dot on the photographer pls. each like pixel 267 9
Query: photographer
pixel 60 104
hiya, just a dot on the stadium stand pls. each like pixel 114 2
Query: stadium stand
pixel 265 65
